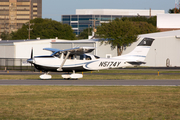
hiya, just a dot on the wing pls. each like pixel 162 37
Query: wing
pixel 78 50
pixel 53 50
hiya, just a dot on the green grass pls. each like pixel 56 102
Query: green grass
pixel 90 103
pixel 96 76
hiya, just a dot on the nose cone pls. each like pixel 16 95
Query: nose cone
pixel 30 61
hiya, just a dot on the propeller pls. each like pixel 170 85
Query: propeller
pixel 32 53
pixel 30 60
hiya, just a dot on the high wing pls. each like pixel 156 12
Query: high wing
pixel 76 50
pixel 53 50
pixel 72 51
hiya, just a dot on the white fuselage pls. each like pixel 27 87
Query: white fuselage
pixel 53 63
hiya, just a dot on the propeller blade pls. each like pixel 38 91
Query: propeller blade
pixel 32 53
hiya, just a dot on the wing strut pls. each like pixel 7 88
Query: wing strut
pixel 60 68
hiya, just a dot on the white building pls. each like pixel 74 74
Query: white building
pixel 22 48
pixel 166 22
pixel 121 12
pixel 164 50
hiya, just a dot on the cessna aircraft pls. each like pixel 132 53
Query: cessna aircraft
pixel 77 60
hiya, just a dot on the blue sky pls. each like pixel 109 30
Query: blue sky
pixel 55 8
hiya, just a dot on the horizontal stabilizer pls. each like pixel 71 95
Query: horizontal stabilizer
pixel 136 62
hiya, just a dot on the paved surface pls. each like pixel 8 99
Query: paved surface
pixel 93 82
pixel 59 73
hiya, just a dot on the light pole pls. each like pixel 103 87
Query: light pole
pixel 29 29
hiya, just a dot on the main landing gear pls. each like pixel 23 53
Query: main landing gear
pixel 74 75
pixel 45 76
pixel 66 76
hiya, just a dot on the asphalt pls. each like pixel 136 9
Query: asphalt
pixel 93 82
pixel 59 73
pixel 81 82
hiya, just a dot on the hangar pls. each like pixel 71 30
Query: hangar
pixel 22 48
pixel 12 50
pixel 164 51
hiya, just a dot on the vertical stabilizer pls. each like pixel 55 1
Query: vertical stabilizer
pixel 140 52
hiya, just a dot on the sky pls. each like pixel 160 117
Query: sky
pixel 55 8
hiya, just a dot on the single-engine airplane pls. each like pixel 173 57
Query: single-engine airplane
pixel 78 60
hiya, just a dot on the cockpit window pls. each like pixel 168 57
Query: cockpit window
pixel 58 54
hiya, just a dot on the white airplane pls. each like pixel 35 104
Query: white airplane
pixel 77 60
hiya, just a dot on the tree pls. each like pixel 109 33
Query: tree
pixel 6 36
pixel 85 33
pixel 45 29
pixel 145 27
pixel 151 20
pixel 118 33
pixel 121 33
pixel 174 10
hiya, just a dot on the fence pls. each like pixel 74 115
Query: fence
pixel 19 64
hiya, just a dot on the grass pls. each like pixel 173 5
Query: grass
pixel 79 103
pixel 95 76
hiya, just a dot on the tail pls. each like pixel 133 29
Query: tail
pixel 138 55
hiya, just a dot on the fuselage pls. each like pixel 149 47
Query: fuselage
pixel 90 63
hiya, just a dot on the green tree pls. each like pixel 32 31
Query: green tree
pixel 85 33
pixel 121 33
pixel 145 27
pixel 6 36
pixel 45 29
pixel 151 20
pixel 174 10
pixel 118 33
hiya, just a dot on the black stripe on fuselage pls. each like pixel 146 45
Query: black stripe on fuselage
pixel 44 57
pixel 65 69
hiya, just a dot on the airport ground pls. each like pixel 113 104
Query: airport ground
pixel 112 74
pixel 90 102
pixel 100 98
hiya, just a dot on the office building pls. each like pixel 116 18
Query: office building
pixel 84 17
pixel 14 13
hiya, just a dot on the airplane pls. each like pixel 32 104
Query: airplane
pixel 78 60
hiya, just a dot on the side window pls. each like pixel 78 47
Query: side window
pixel 79 57
pixel 97 57
pixel 88 57
pixel 71 57
pixel 146 42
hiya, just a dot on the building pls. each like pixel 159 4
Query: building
pixel 164 51
pixel 16 52
pixel 84 17
pixel 14 13
pixel 167 22
pixel 22 48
